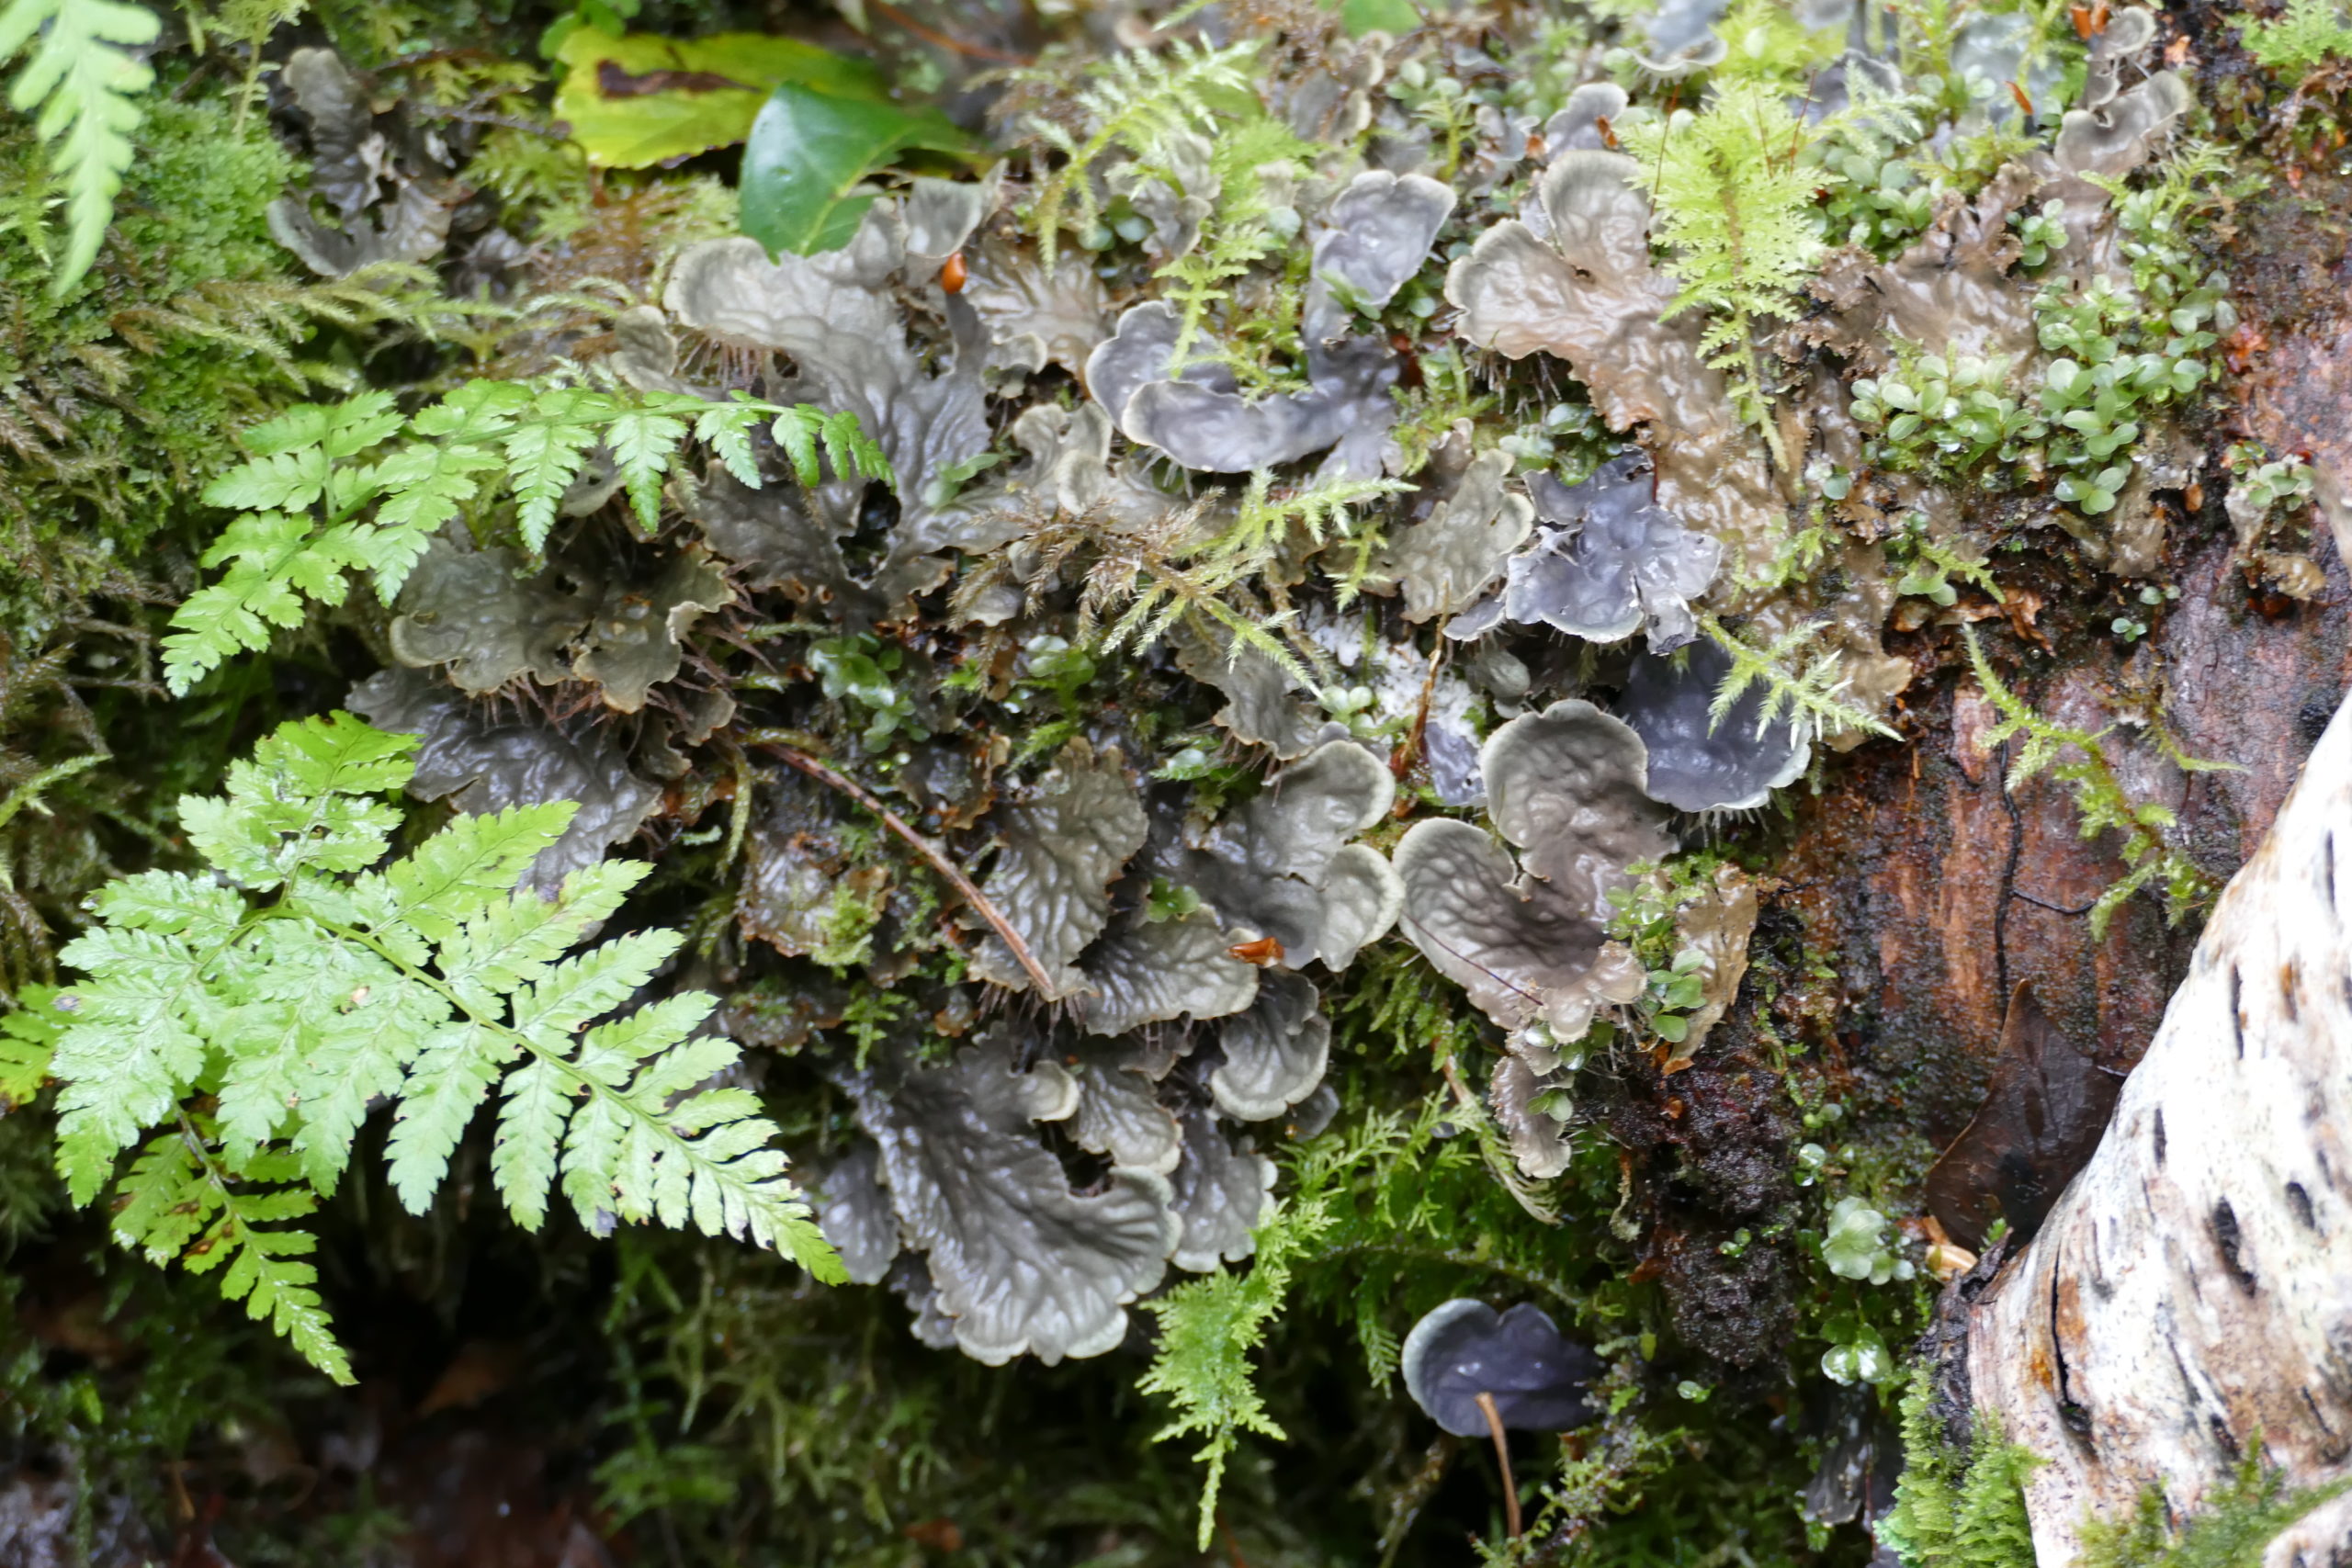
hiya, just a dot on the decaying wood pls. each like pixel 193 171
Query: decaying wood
pixel 2193 1287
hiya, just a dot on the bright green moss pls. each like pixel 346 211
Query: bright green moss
pixel 118 400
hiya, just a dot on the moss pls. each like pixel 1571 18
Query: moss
pixel 2232 1532
pixel 1955 1507
pixel 118 401
pixel 1965 1508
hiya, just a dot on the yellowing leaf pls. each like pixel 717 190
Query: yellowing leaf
pixel 639 100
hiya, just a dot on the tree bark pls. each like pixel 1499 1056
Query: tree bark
pixel 2192 1289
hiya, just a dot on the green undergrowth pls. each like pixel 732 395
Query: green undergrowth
pixel 120 396
pixel 2305 35
pixel 274 1021
pixel 2233 1527
pixel 1958 1505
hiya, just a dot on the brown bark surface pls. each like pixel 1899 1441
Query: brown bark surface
pixel 1936 890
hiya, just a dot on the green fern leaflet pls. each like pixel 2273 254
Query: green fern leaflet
pixel 319 503
pixel 84 83
pixel 2307 36
pixel 236 1028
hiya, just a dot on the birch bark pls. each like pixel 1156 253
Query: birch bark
pixel 2193 1286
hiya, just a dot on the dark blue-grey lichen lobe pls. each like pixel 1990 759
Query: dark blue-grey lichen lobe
pixel 1537 1377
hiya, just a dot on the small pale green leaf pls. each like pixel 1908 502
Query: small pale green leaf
pixel 449 1079
pixel 27 1038
pixel 546 450
pixel 530 1127
pixel 83 81
pixel 642 441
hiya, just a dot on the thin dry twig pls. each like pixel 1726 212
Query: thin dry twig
pixel 1401 762
pixel 935 857
pixel 961 46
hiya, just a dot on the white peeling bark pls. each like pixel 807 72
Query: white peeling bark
pixel 2194 1285
pixel 2315 1540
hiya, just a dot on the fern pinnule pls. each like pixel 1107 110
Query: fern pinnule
pixel 83 81
pixel 1137 100
pixel 27 1040
pixel 237 1027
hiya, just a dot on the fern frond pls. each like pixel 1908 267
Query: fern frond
pixel 295 985
pixel 2311 33
pixel 82 83
pixel 314 513
pixel 1137 100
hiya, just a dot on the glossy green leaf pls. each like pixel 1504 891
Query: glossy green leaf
pixel 635 101
pixel 805 169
